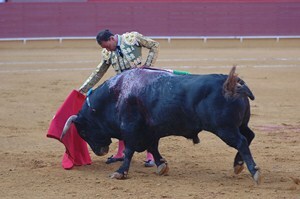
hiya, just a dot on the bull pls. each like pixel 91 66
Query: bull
pixel 142 105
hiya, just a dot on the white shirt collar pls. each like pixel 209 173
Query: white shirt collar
pixel 119 40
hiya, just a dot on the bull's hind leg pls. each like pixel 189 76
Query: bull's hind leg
pixel 233 138
pixel 238 163
pixel 161 163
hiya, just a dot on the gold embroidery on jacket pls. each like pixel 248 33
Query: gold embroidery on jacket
pixel 131 44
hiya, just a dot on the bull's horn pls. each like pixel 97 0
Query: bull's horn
pixel 67 125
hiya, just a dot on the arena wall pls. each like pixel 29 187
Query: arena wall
pixel 152 18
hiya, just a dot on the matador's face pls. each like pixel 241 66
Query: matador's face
pixel 109 45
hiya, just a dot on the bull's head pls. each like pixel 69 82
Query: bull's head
pixel 98 142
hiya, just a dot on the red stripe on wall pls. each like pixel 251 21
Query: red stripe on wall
pixel 200 1
pixel 150 18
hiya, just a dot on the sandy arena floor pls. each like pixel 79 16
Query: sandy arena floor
pixel 36 78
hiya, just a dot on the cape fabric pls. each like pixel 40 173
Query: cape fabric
pixel 76 148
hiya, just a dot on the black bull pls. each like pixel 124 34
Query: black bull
pixel 140 106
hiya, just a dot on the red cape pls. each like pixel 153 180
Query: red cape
pixel 76 148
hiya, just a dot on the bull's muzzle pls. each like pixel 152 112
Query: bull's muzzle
pixel 103 151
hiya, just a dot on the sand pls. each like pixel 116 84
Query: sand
pixel 36 77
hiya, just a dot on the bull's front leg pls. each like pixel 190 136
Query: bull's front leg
pixel 161 163
pixel 122 172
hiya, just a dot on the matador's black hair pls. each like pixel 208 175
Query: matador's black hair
pixel 103 35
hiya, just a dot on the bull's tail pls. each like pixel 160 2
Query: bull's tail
pixel 235 87
pixel 67 125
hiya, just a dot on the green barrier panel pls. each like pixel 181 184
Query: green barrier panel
pixel 180 72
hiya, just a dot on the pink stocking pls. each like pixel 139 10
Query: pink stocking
pixel 149 156
pixel 121 148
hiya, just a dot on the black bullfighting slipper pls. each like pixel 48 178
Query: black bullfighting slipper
pixel 111 159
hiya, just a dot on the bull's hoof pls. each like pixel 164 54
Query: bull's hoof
pixel 238 168
pixel 257 176
pixel 118 176
pixel 162 169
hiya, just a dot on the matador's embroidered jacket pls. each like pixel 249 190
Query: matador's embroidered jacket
pixel 130 57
